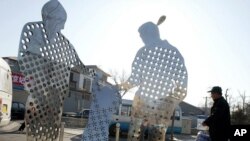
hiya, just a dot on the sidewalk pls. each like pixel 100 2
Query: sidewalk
pixel 13 126
pixel 76 131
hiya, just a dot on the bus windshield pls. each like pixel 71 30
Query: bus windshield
pixel 123 116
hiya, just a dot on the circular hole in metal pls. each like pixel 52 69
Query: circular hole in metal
pixel 31 104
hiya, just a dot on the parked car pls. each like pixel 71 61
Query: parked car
pixel 17 111
pixel 84 113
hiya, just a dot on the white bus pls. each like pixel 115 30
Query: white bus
pixel 123 117
pixel 5 93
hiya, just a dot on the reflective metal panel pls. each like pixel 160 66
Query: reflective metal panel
pixel 105 101
pixel 46 57
pixel 159 71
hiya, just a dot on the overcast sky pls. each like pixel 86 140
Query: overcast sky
pixel 213 36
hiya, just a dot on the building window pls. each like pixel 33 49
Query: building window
pixel 87 84
pixel 87 97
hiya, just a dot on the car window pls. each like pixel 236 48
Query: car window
pixel 21 106
pixel 86 112
pixel 14 106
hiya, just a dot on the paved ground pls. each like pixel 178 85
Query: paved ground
pixel 72 137
pixel 14 136
pixel 10 133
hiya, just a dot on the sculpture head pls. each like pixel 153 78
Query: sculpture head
pixel 149 33
pixel 54 17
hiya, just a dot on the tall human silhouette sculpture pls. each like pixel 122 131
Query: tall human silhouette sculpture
pixel 159 71
pixel 46 57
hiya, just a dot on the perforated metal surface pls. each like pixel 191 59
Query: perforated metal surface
pixel 47 86
pixel 159 71
pixel 46 61
pixel 105 101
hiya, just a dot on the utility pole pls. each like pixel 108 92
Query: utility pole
pixel 172 126
pixel 206 105
pixel 226 95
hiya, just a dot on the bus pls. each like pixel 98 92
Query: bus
pixel 123 117
pixel 5 93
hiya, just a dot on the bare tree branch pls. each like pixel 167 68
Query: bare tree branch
pixel 243 97
pixel 119 79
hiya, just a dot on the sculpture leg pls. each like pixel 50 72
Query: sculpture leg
pixel 47 87
pixel 157 133
pixel 134 133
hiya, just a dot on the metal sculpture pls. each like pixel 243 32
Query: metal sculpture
pixel 159 71
pixel 105 101
pixel 46 57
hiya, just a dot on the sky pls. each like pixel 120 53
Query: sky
pixel 213 36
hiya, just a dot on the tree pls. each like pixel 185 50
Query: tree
pixel 241 111
pixel 119 78
pixel 238 116
pixel 243 97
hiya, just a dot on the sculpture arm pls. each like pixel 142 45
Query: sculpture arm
pixel 76 62
pixel 136 76
pixel 180 81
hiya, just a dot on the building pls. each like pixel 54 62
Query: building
pixel 79 96
pixel 80 86
pixel 79 92
pixel 190 110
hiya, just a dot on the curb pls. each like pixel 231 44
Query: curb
pixel 13 126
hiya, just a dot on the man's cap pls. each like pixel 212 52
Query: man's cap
pixel 216 89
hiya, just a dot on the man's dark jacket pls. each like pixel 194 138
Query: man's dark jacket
pixel 219 120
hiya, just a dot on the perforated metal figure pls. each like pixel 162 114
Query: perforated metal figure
pixel 46 57
pixel 105 102
pixel 159 71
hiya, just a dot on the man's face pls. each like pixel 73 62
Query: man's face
pixel 214 95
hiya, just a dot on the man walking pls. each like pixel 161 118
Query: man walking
pixel 219 119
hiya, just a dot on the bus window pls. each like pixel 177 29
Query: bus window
pixel 177 115
pixel 125 110
pixel 5 108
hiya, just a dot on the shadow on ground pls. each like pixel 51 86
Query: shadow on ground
pixel 76 138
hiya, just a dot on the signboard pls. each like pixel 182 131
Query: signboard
pixel 18 79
